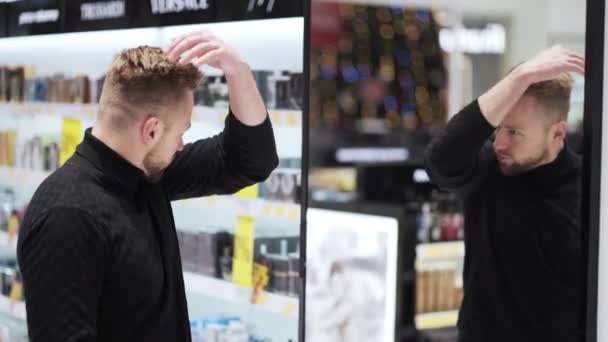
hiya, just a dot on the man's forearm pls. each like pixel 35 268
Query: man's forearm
pixel 497 102
pixel 245 99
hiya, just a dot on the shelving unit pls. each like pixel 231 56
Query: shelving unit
pixel 215 115
pixel 256 207
pixel 8 246
pixel 226 291
pixel 273 316
pixel 19 176
pixel 15 310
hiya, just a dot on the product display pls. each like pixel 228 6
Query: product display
pixel 376 64
pixel 211 254
pixel 438 287
pixel 11 287
pixel 440 220
pixel 39 153
pixel 283 185
pixel 280 89
pixel 12 84
pixel 222 328
pixel 351 277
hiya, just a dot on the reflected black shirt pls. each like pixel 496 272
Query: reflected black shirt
pixel 522 237
pixel 98 248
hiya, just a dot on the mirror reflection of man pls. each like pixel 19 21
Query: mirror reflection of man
pixel 506 154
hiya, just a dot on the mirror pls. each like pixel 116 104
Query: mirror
pixel 486 252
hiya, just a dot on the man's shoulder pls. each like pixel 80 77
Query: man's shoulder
pixel 68 187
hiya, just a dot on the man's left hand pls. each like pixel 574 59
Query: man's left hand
pixel 203 47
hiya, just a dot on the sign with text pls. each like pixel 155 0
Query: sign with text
pixel 242 262
pixel 259 9
pixel 35 17
pixel 71 135
pixel 174 12
pixel 91 15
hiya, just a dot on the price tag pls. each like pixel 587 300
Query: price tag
pixel 275 117
pixel 293 119
pixel 70 138
pixel 249 192
pixel 279 210
pixel 293 213
pixel 267 209
pixel 16 292
pixel 242 263
pixel 13 227
pixel 211 201
pixel 289 308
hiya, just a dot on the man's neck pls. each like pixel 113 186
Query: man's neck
pixel 553 154
pixel 118 144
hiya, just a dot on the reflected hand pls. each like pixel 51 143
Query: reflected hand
pixel 551 62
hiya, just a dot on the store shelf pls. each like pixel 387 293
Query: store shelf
pixel 214 115
pixel 217 115
pixel 51 108
pixel 9 175
pixel 453 249
pixel 16 310
pixel 244 206
pixel 436 320
pixel 231 293
pixel 8 247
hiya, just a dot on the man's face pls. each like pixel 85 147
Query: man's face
pixel 172 140
pixel 523 140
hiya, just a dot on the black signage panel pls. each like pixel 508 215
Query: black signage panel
pixel 175 12
pixel 92 15
pixel 232 10
pixel 3 21
pixel 35 17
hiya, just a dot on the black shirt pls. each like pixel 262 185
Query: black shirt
pixel 98 248
pixel 522 237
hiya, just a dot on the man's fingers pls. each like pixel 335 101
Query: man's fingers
pixel 198 50
pixel 185 45
pixel 209 58
pixel 579 60
pixel 174 42
pixel 177 41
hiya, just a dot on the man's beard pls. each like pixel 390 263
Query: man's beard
pixel 517 168
pixel 154 167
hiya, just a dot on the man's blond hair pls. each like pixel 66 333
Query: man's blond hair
pixel 143 81
pixel 554 96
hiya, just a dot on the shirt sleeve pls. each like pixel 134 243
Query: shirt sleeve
pixel 458 157
pixel 63 261
pixel 238 157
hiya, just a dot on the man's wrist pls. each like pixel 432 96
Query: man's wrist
pixel 522 76
pixel 238 70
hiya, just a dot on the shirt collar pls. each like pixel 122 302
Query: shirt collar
pixel 115 168
pixel 566 165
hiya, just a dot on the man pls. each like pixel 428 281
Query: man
pixel 98 247
pixel 521 200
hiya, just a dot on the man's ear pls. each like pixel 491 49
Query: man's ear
pixel 561 130
pixel 151 130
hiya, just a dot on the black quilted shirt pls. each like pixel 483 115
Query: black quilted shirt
pixel 522 237
pixel 98 248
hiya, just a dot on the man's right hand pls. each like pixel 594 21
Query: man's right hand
pixel 550 63
pixel 497 102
